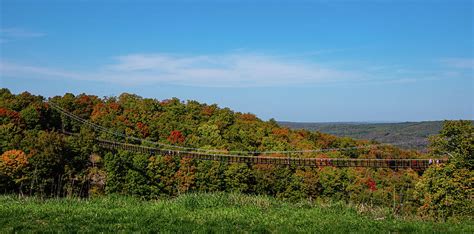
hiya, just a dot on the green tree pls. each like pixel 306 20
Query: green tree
pixel 447 190
pixel 238 178
pixel 210 176
pixel 456 139
pixel 47 157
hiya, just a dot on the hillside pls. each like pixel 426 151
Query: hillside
pixel 37 158
pixel 31 133
pixel 410 135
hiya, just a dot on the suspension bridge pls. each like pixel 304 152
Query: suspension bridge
pixel 249 157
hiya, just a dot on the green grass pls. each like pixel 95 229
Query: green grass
pixel 218 212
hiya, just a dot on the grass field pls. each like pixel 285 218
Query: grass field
pixel 219 212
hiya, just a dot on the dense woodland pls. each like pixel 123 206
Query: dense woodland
pixel 406 135
pixel 38 159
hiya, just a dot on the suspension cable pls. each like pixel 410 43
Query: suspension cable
pixel 115 133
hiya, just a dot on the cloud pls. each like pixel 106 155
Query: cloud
pixel 234 69
pixel 463 63
pixel 227 70
pixel 16 70
pixel 19 33
pixel 222 70
pixel 11 34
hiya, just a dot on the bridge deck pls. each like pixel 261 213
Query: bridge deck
pixel 305 162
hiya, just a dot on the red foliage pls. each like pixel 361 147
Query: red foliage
pixel 144 130
pixel 12 115
pixel 176 137
pixel 371 184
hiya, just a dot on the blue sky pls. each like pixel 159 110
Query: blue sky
pixel 288 60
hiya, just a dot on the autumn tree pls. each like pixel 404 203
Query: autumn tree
pixel 12 169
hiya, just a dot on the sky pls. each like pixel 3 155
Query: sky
pixel 306 61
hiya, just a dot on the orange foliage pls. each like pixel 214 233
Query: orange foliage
pixel 207 111
pixel 124 120
pixel 14 160
pixel 326 140
pixel 84 99
pixel 248 117
pixel 98 111
pixel 303 133
pixel 114 106
pixel 186 175
pixel 281 132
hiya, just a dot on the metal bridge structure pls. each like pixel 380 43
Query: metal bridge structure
pixel 250 157
pixel 416 164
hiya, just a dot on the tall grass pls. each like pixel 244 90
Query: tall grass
pixel 217 212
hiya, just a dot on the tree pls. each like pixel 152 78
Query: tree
pixel 238 178
pixel 161 171
pixel 11 136
pixel 186 175
pixel 12 166
pixel 447 190
pixel 209 135
pixel 456 139
pixel 210 176
pixel 47 162
pixel 176 137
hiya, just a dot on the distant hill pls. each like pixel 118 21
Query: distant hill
pixel 416 133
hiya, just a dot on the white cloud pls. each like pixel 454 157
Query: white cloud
pixel 228 70
pixel 19 33
pixel 221 70
pixel 467 63
pixel 11 34
pixel 17 70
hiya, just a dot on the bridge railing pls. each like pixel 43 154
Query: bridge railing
pixel 304 162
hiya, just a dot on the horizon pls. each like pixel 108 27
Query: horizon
pixel 313 62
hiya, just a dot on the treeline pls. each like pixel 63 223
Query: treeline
pixel 407 135
pixel 37 159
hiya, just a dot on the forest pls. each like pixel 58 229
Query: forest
pixel 38 159
pixel 406 135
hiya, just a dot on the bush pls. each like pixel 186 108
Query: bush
pixel 446 191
